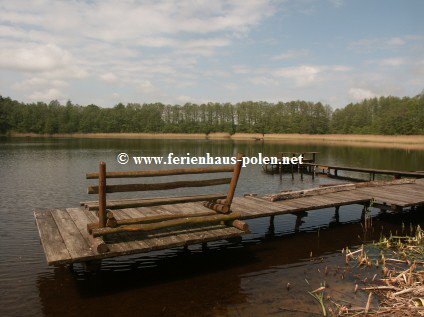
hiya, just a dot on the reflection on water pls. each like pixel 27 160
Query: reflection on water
pixel 247 279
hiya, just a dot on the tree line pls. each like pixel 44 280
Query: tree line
pixel 383 115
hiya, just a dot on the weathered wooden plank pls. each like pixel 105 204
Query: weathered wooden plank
pixel 352 196
pixel 166 211
pixel 206 234
pixel 245 209
pixel 312 202
pixel 413 188
pixel 420 182
pixel 75 243
pixel 296 204
pixel 308 192
pixel 187 208
pixel 114 250
pixel 154 237
pixel 129 241
pixel 388 196
pixel 248 212
pixel 51 239
pixel 348 196
pixel 259 204
pixel 270 207
pixel 80 219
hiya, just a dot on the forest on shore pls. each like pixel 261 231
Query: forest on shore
pixel 383 115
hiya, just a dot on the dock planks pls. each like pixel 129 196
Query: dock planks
pixel 65 239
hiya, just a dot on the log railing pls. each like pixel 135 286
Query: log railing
pixel 216 203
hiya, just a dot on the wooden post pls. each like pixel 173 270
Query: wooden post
pixel 281 167
pixel 102 194
pixel 234 179
pixel 292 170
pixel 92 266
pixel 336 214
pixel 298 222
pixel 363 212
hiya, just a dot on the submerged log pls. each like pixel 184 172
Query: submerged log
pixel 166 224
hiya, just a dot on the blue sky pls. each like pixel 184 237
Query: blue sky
pixel 106 52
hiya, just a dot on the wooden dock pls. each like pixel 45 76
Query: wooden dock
pixel 308 157
pixel 64 236
pixel 326 169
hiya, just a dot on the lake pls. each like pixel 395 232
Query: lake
pixel 228 279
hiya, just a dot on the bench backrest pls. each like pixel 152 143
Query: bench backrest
pixel 219 203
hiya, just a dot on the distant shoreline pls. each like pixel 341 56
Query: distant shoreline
pixel 318 138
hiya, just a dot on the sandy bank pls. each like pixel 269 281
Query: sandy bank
pixel 412 141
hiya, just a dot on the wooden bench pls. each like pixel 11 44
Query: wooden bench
pixel 217 207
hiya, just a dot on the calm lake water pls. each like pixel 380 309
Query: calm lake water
pixel 228 279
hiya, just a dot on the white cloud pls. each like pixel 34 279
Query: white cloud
pixel 302 75
pixel 241 69
pixel 290 54
pixel 231 86
pixel 138 42
pixel 109 77
pixel 184 99
pixel 38 83
pixel 48 95
pixel 383 43
pixel 396 61
pixel 146 86
pixel 340 68
pixel 396 41
pixel 360 93
pixel 34 58
pixel 337 3
pixel 262 80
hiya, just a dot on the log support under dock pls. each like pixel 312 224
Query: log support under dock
pixel 336 215
pixel 92 266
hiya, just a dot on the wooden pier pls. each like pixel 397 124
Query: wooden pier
pixel 65 239
pixel 308 157
pixel 326 169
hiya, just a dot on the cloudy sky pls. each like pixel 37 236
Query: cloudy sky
pixel 175 51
